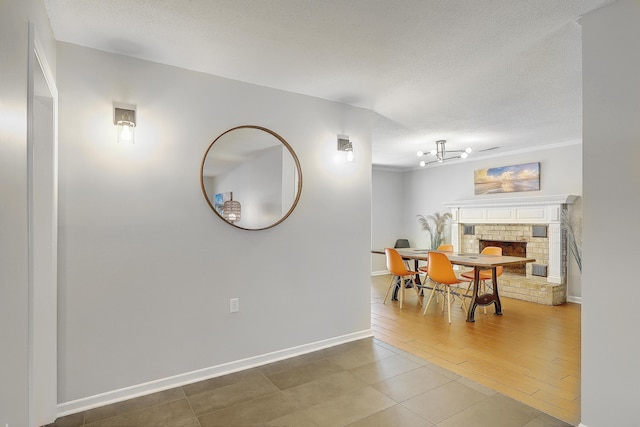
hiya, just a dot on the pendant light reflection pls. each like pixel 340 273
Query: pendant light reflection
pixel 231 210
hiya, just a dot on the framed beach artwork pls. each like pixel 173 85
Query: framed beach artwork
pixel 507 179
pixel 220 198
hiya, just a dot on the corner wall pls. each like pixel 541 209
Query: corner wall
pixel 610 348
pixel 147 269
pixel 15 409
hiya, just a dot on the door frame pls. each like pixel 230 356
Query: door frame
pixel 42 199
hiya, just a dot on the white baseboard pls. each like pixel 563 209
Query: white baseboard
pixel 380 273
pixel 138 390
pixel 577 300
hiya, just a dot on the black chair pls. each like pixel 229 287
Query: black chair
pixel 402 243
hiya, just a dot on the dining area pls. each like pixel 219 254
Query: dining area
pixel 527 351
pixel 479 284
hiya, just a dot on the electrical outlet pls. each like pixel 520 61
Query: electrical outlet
pixel 234 305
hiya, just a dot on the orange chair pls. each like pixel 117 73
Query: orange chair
pixel 440 271
pixel 396 266
pixel 484 274
pixel 444 248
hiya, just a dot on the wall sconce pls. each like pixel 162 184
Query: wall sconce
pixel 231 211
pixel 125 120
pixel 347 146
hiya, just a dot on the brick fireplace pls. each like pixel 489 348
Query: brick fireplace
pixel 514 239
pixel 515 223
pixel 509 248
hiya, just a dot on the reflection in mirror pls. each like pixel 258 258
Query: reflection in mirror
pixel 251 177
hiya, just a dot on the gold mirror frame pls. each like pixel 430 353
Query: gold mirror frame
pixel 297 167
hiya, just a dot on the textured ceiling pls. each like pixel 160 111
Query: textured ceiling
pixel 479 73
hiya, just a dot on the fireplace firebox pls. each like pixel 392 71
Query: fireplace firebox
pixel 509 248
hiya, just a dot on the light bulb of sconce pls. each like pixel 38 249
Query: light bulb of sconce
pixel 434 152
pixel 423 163
pixel 464 155
pixel 125 134
pixel 420 153
pixel 350 156
pixel 125 121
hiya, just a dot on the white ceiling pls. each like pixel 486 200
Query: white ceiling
pixel 479 73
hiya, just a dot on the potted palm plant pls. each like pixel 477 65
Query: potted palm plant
pixel 435 225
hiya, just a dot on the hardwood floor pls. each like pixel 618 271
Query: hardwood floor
pixel 531 353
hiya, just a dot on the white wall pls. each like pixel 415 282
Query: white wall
pixel 146 268
pixel 611 104
pixel 387 207
pixel 14 297
pixel 424 191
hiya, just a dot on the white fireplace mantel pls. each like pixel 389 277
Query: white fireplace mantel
pixel 516 210
pixel 513 210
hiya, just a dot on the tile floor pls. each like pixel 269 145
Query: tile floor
pixel 362 383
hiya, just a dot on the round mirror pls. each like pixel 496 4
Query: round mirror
pixel 251 177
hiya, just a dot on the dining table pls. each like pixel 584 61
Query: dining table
pixel 478 262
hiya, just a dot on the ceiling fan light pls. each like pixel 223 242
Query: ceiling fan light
pixel 420 153
pixel 468 150
pixel 423 163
